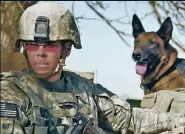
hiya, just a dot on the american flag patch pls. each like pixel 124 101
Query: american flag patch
pixel 8 110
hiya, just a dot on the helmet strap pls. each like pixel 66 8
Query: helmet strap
pixel 61 62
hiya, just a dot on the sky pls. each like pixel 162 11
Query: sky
pixel 103 51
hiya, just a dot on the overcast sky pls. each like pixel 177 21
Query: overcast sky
pixel 104 52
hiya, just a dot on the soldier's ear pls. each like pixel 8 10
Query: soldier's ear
pixel 165 31
pixel 68 52
pixel 66 49
pixel 137 26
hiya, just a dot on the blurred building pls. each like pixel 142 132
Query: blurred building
pixel 11 12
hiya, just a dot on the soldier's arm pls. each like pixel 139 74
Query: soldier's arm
pixel 116 115
pixel 14 104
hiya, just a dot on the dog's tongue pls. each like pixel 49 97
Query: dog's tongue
pixel 141 68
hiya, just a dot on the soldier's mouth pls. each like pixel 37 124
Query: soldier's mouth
pixel 42 65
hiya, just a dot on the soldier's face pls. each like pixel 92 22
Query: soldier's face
pixel 43 58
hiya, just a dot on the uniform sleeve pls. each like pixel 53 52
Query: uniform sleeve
pixel 14 105
pixel 114 114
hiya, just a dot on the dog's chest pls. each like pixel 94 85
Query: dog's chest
pixel 173 80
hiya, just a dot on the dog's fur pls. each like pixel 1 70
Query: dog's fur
pixel 155 57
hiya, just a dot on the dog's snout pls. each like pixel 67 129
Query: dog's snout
pixel 136 55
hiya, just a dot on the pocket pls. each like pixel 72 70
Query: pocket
pixel 65 99
pixel 60 129
pixel 70 112
pixel 40 130
pixel 29 129
pixel 149 100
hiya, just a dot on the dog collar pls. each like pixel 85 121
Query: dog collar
pixel 147 87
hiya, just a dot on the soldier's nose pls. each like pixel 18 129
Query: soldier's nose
pixel 41 51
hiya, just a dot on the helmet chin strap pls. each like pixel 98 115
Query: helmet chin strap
pixel 60 64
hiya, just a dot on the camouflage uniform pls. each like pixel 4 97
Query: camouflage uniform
pixel 29 107
pixel 24 105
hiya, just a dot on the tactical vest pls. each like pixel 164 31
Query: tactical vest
pixel 166 101
pixel 55 112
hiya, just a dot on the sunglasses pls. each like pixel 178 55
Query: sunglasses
pixel 48 47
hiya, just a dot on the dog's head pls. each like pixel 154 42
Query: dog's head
pixel 149 47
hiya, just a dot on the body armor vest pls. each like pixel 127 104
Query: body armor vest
pixel 55 112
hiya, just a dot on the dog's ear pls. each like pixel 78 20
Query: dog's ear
pixel 137 26
pixel 165 31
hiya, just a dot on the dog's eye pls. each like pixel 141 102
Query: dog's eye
pixel 136 42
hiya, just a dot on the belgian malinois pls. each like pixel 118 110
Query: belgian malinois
pixel 156 60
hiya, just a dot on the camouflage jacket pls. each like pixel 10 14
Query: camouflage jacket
pixel 27 107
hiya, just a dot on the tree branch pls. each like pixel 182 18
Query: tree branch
pixel 120 34
pixel 171 10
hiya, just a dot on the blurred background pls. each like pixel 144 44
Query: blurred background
pixel 106 35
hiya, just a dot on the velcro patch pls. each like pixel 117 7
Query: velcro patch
pixel 8 110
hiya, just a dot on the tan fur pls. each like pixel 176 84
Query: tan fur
pixel 171 81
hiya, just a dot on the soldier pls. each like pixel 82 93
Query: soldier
pixel 44 98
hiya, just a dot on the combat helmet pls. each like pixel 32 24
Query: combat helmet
pixel 48 21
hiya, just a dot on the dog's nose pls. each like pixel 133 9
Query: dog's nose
pixel 136 55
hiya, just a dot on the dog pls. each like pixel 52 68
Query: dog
pixel 156 60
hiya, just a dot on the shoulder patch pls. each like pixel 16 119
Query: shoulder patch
pixel 8 110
